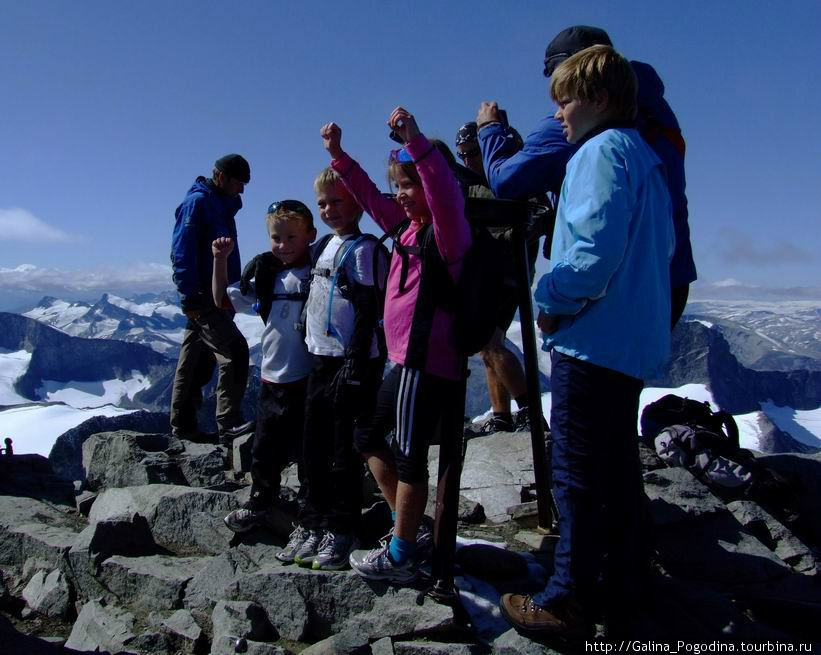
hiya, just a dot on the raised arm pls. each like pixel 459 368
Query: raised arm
pixel 382 209
pixel 221 248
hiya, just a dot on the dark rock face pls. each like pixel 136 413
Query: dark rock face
pixel 58 356
pixel 701 354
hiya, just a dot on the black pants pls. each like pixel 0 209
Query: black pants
pixel 333 469
pixel 277 440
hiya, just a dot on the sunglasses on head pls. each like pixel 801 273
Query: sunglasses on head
pixel 401 155
pixel 290 206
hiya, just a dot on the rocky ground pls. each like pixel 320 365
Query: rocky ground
pixel 135 558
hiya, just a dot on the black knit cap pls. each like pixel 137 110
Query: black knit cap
pixel 570 41
pixel 235 166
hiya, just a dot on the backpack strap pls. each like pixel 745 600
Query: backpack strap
pixel 339 262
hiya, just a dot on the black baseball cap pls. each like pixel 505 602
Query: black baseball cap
pixel 570 41
pixel 235 166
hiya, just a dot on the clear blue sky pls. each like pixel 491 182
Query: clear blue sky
pixel 112 108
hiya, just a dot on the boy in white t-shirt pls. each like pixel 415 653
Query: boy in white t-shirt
pixel 341 333
pixel 278 293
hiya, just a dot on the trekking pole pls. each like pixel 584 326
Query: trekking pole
pixel 541 454
pixel 447 506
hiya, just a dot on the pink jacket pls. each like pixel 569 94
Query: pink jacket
pixel 452 234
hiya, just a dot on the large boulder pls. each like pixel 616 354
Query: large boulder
pixel 49 594
pixel 32 475
pixel 103 627
pixel 124 459
pixel 184 520
pixel 32 528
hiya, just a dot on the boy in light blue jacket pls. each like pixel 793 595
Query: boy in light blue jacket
pixel 605 314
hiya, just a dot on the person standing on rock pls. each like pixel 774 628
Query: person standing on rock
pixel 211 338
pixel 604 313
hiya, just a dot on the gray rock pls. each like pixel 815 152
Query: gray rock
pixel 184 520
pixel 348 642
pixel 242 453
pixel 103 627
pixel 212 582
pixel 101 540
pixel 512 643
pixel 31 475
pixel 382 646
pixel 201 465
pixel 775 535
pixel 240 619
pixel 31 528
pixel 495 471
pixel 49 595
pixel 119 459
pixel 397 614
pixel 147 583
pixel 469 511
pixel 435 648
pixel 66 455
pixel 183 631
pixel 230 646
pixel 676 496
pixel 150 643
pixel 303 604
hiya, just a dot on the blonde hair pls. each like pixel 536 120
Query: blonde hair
pixel 328 177
pixel 286 215
pixel 593 71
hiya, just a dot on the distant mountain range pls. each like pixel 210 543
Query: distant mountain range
pixel 759 361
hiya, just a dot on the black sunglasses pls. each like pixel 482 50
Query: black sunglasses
pixel 470 153
pixel 290 206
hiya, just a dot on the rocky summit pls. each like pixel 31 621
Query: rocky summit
pixel 134 557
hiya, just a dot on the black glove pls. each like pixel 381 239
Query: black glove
pixel 348 380
pixel 261 269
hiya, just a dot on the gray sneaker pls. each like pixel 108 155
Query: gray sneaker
pixel 308 550
pixel 242 520
pixel 295 541
pixel 376 565
pixel 334 551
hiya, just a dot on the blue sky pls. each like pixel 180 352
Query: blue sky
pixel 111 109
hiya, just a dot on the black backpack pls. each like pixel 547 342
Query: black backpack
pixel 473 298
pixel 675 410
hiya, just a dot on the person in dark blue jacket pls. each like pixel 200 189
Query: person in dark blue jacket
pixel 211 337
pixel 539 167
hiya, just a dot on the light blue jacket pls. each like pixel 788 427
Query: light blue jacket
pixel 612 243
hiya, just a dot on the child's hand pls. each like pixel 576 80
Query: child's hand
pixel 331 135
pixel 222 247
pixel 547 324
pixel 403 123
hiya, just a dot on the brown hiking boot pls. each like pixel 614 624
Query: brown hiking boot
pixel 563 621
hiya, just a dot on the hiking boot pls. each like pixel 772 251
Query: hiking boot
pixel 228 435
pixel 304 556
pixel 490 426
pixel 564 620
pixel 521 422
pixel 295 541
pixel 243 519
pixel 376 565
pixel 334 551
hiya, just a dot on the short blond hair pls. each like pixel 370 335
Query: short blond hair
pixel 328 177
pixel 286 216
pixel 593 71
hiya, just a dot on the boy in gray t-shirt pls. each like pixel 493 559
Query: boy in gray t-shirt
pixel 278 293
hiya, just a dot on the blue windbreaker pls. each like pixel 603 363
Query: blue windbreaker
pixel 539 166
pixel 204 215
pixel 609 282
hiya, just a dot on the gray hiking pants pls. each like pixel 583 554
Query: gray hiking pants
pixel 211 340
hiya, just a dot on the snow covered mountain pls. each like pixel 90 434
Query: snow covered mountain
pixel 153 320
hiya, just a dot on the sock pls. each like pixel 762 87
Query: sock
pixel 521 401
pixel 400 550
pixel 393 517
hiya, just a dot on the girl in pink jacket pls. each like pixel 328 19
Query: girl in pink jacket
pixel 420 395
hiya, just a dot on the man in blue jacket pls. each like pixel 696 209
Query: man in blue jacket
pixel 211 337
pixel 539 167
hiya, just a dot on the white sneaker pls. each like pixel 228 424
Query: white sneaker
pixel 334 551
pixel 377 565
